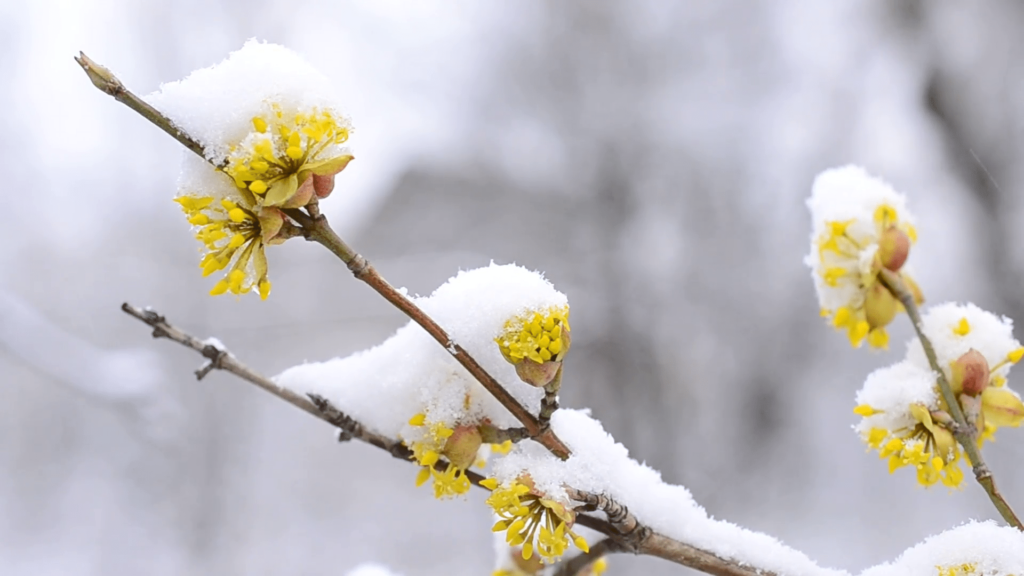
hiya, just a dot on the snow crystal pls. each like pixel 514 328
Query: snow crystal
pixel 410 373
pixel 599 464
pixel 216 105
pixel 989 549
pixel 891 390
pixel 986 333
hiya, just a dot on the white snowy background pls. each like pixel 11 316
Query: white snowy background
pixel 651 157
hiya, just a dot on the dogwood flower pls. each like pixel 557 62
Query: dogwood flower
pixel 861 225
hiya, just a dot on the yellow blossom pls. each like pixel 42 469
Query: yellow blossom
pixel 437 440
pixel 861 228
pixel 530 520
pixel 536 343
pixel 926 446
pixel 289 156
pixel 234 234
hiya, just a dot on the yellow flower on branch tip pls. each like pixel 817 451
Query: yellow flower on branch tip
pixel 290 156
pixel 861 226
pixel 234 234
pixel 536 343
pixel 530 520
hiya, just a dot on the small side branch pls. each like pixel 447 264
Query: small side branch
pixel 217 357
pixel 106 81
pixel 964 432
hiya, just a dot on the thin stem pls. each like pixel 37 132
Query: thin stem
pixel 320 231
pixel 549 404
pixel 107 82
pixel 964 432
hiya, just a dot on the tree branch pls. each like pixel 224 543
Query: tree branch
pixel 106 81
pixel 624 530
pixel 964 432
pixel 632 536
pixel 318 230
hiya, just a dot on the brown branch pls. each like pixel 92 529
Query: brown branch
pixel 965 432
pixel 318 230
pixel 218 358
pixel 632 536
pixel 108 83
pixel 622 528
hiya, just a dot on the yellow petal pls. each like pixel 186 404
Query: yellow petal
pixel 1002 407
pixel 281 191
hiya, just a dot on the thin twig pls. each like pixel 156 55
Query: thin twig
pixel 107 82
pixel 964 432
pixel 320 231
pixel 218 358
pixel 625 531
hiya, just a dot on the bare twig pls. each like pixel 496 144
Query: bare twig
pixel 218 358
pixel 318 230
pixel 964 432
pixel 624 530
pixel 107 82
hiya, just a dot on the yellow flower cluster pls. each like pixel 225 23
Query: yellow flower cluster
pixel 284 161
pixel 233 232
pixel 289 156
pixel 538 337
pixel 427 451
pixel 868 306
pixel 926 446
pixel 532 521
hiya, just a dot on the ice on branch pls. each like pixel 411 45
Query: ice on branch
pixel 904 416
pixel 601 465
pixel 411 388
pixel 274 139
pixel 861 225
pixel 975 549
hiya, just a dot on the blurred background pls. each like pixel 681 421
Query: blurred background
pixel 651 157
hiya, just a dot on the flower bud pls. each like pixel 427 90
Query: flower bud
pixel 535 344
pixel 538 375
pixel 893 248
pixel 461 447
pixel 1002 407
pixel 970 373
pixel 880 307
